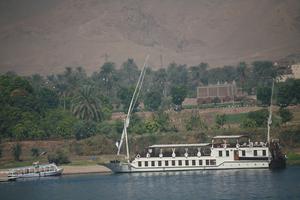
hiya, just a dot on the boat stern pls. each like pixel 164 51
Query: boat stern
pixel 118 167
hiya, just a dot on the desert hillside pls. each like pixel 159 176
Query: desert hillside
pixel 40 36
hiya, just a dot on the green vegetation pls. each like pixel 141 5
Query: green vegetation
pixel 285 115
pixel 235 118
pixel 220 120
pixel 35 152
pixel 293 158
pixel 17 151
pixel 59 157
pixel 75 106
pixel 195 123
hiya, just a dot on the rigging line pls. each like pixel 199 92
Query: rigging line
pixel 140 86
pixel 270 113
pixel 134 96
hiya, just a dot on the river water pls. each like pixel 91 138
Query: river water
pixel 220 184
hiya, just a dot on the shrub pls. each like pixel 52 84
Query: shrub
pixel 285 115
pixel 220 120
pixel 248 123
pixel 17 151
pixel 84 129
pixel 35 152
pixel 260 117
pixel 59 157
pixel 195 123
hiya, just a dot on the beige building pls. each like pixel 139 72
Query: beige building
pixel 224 92
pixel 295 73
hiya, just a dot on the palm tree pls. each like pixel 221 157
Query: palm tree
pixel 107 74
pixel 86 105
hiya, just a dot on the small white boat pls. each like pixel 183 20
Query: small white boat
pixel 35 170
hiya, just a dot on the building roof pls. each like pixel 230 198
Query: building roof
pixel 178 145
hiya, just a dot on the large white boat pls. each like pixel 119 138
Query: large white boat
pixel 36 170
pixel 221 153
pixel 224 152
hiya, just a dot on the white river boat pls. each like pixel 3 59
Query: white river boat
pixel 36 170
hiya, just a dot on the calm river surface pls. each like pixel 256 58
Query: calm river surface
pixel 225 184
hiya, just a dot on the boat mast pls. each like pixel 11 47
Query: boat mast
pixel 131 107
pixel 270 113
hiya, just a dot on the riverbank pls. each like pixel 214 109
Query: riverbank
pixel 69 170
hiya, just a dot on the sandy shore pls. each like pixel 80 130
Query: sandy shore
pixel 87 169
pixel 68 170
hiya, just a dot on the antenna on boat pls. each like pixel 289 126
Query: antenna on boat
pixel 270 113
pixel 130 109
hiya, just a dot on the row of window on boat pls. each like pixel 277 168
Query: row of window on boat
pixel 198 153
pixel 167 163
pixel 255 153
pixel 33 170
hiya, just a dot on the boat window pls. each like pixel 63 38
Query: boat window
pixel 193 162
pixel 186 163
pixel 207 162
pixel 220 153
pixel 180 162
pixel 255 152
pixel 159 163
pixel 264 152
pixel 146 163
pixel 227 153
pixel 200 162
pixel 173 162
pixel 166 163
pixel 243 153
pixel 212 162
pixel 152 163
pixel 139 163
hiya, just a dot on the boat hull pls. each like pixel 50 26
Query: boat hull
pixel 129 168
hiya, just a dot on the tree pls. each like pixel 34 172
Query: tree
pixel 220 120
pixel 153 100
pixel 125 95
pixel 86 105
pixel 159 80
pixel 260 117
pixel 197 76
pixel 286 94
pixel 285 115
pixel 264 95
pixel 108 76
pixel 59 123
pixel 177 74
pixel 129 72
pixel 178 94
pixel 241 71
pixel 17 151
pixel 48 98
pixel 84 129
pixel 195 123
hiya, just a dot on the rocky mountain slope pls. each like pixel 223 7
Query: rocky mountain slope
pixel 41 36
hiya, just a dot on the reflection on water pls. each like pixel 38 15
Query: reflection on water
pixel 214 184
